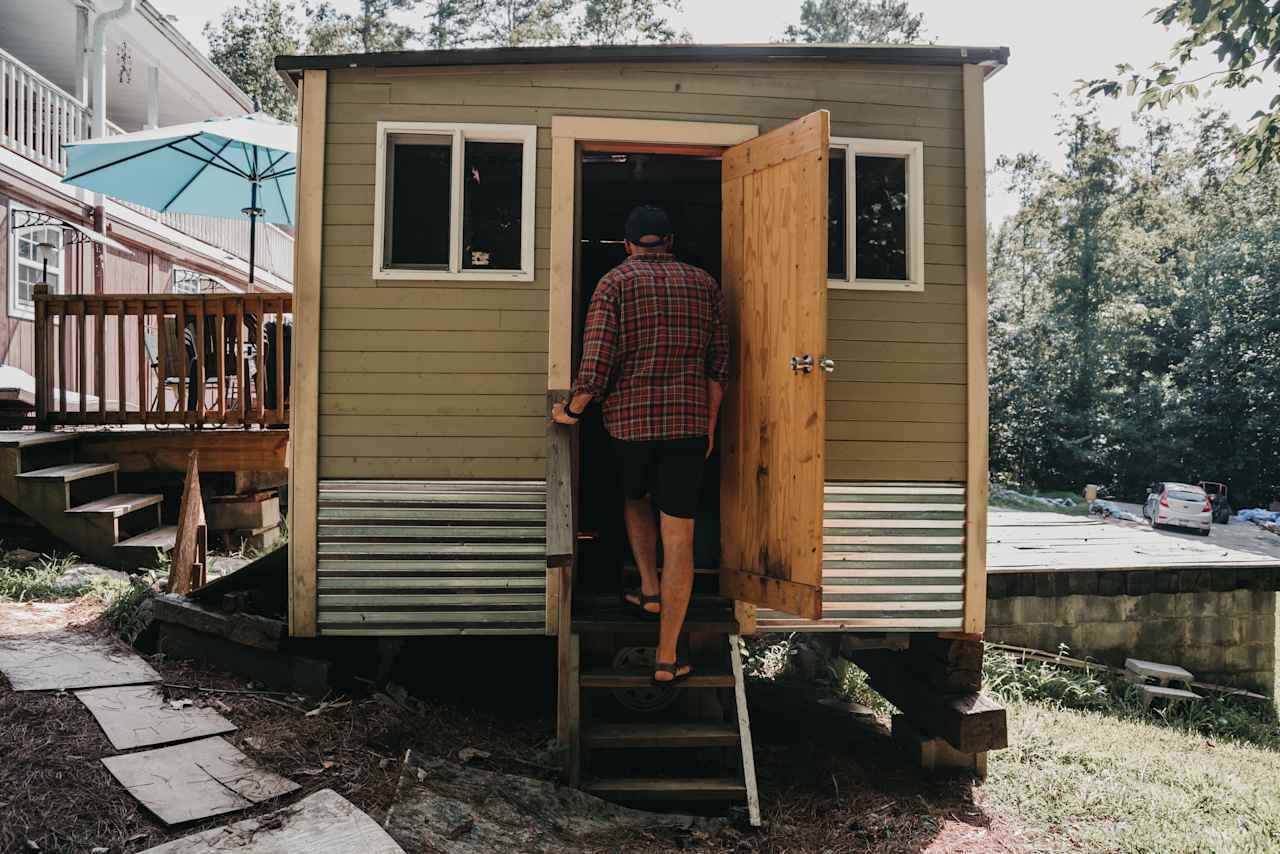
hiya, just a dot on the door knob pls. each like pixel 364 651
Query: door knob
pixel 802 364
pixel 827 364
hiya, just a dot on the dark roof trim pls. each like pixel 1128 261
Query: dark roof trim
pixel 892 54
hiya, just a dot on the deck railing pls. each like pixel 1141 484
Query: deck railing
pixel 165 359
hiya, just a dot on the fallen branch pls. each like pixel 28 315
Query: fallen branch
pixel 1082 664
pixel 265 696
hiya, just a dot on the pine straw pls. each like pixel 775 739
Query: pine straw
pixel 839 791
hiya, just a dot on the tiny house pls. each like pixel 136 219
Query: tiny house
pixel 455 211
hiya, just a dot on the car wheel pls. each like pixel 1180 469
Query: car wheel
pixel 1204 532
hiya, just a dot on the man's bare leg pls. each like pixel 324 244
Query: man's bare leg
pixel 643 534
pixel 677 587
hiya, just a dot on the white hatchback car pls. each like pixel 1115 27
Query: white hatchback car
pixel 1179 504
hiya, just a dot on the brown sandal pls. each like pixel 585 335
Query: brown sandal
pixel 645 599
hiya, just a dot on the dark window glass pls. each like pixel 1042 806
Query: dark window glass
pixel 837 222
pixel 418 194
pixel 492 192
pixel 880 187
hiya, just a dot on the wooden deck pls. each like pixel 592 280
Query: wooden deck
pixel 1021 541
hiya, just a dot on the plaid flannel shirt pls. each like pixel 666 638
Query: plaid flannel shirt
pixel 655 334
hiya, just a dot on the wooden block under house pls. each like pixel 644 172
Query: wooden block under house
pixel 244 512
pixel 257 539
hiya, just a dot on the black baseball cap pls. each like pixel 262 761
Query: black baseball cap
pixel 648 220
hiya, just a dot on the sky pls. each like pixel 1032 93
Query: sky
pixel 1051 46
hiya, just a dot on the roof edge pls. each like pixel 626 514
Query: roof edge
pixel 579 54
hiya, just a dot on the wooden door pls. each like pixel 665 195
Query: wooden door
pixel 774 190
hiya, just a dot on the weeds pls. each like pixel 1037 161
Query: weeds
pixel 128 611
pixel 1217 716
pixel 38 580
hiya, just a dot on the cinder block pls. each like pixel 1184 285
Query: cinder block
pixel 1099 639
pixel 1022 584
pixel 1044 584
pixel 1258 629
pixel 1139 583
pixel 1222 579
pixel 1110 583
pixel 1166 581
pixel 1082 583
pixel 997 586
pixel 999 613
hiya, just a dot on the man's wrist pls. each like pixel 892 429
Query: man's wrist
pixel 568 410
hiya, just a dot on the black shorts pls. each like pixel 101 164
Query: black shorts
pixel 670 470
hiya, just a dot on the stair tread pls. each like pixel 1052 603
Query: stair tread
pixel 71 471
pixel 26 438
pixel 702 677
pixel 665 734
pixel 118 505
pixel 158 538
pixel 619 617
pixel 669 788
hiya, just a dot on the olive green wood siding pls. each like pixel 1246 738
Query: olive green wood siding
pixel 428 379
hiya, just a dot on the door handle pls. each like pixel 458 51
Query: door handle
pixel 802 364
pixel 827 364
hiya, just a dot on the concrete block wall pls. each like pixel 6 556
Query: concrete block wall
pixel 1221 629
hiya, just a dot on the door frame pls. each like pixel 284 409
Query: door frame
pixel 566 133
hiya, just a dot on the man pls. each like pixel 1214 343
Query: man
pixel 656 349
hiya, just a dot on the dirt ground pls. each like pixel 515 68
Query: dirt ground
pixel 840 791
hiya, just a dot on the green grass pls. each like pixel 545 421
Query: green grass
pixel 1087 781
pixel 1001 497
pixel 1089 768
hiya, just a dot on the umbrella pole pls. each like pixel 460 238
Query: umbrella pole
pixel 253 226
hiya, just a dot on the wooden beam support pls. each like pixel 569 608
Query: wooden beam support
pixel 971 723
pixel 305 391
pixel 975 200
pixel 167 450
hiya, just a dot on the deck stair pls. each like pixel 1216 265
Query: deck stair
pixel 80 502
pixel 661 746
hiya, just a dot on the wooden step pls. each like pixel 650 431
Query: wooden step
pixel 71 472
pixel 631 569
pixel 700 678
pixel 676 734
pixel 27 438
pixel 162 538
pixel 668 789
pixel 624 619
pixel 118 505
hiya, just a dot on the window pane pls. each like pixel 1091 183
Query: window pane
pixel 837 224
pixel 25 247
pixel 492 190
pixel 417 205
pixel 881 190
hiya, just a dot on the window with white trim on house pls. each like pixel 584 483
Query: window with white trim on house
pixel 454 201
pixel 188 281
pixel 875 238
pixel 35 258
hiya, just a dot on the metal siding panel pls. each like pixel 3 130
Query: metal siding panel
pixel 891 560
pixel 403 558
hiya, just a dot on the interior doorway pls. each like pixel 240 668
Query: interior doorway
pixel 614 179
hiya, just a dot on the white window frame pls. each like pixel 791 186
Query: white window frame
pixel 461 133
pixel 913 153
pixel 27 311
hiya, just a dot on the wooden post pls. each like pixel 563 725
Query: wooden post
pixel 42 356
pixel 977 477
pixel 303 446
pixel 187 566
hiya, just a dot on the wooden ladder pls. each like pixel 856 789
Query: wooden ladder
pixel 636 743
pixel 79 502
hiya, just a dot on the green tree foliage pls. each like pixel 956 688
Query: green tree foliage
pixel 244 44
pixel 524 23
pixel 865 21
pixel 605 22
pixel 1135 314
pixel 369 30
pixel 1244 36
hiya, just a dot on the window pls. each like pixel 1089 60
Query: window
pixel 454 201
pixel 875 220
pixel 29 250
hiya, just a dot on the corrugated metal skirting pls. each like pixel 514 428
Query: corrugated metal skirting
pixel 892 558
pixel 432 558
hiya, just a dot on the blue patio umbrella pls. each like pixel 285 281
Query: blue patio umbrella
pixel 233 167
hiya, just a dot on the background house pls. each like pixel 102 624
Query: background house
pixel 154 77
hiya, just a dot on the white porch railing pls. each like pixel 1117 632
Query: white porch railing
pixel 37 119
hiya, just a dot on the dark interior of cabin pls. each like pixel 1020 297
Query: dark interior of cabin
pixel 687 186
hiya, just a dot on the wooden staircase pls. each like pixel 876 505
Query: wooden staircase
pixel 79 502
pixel 658 745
